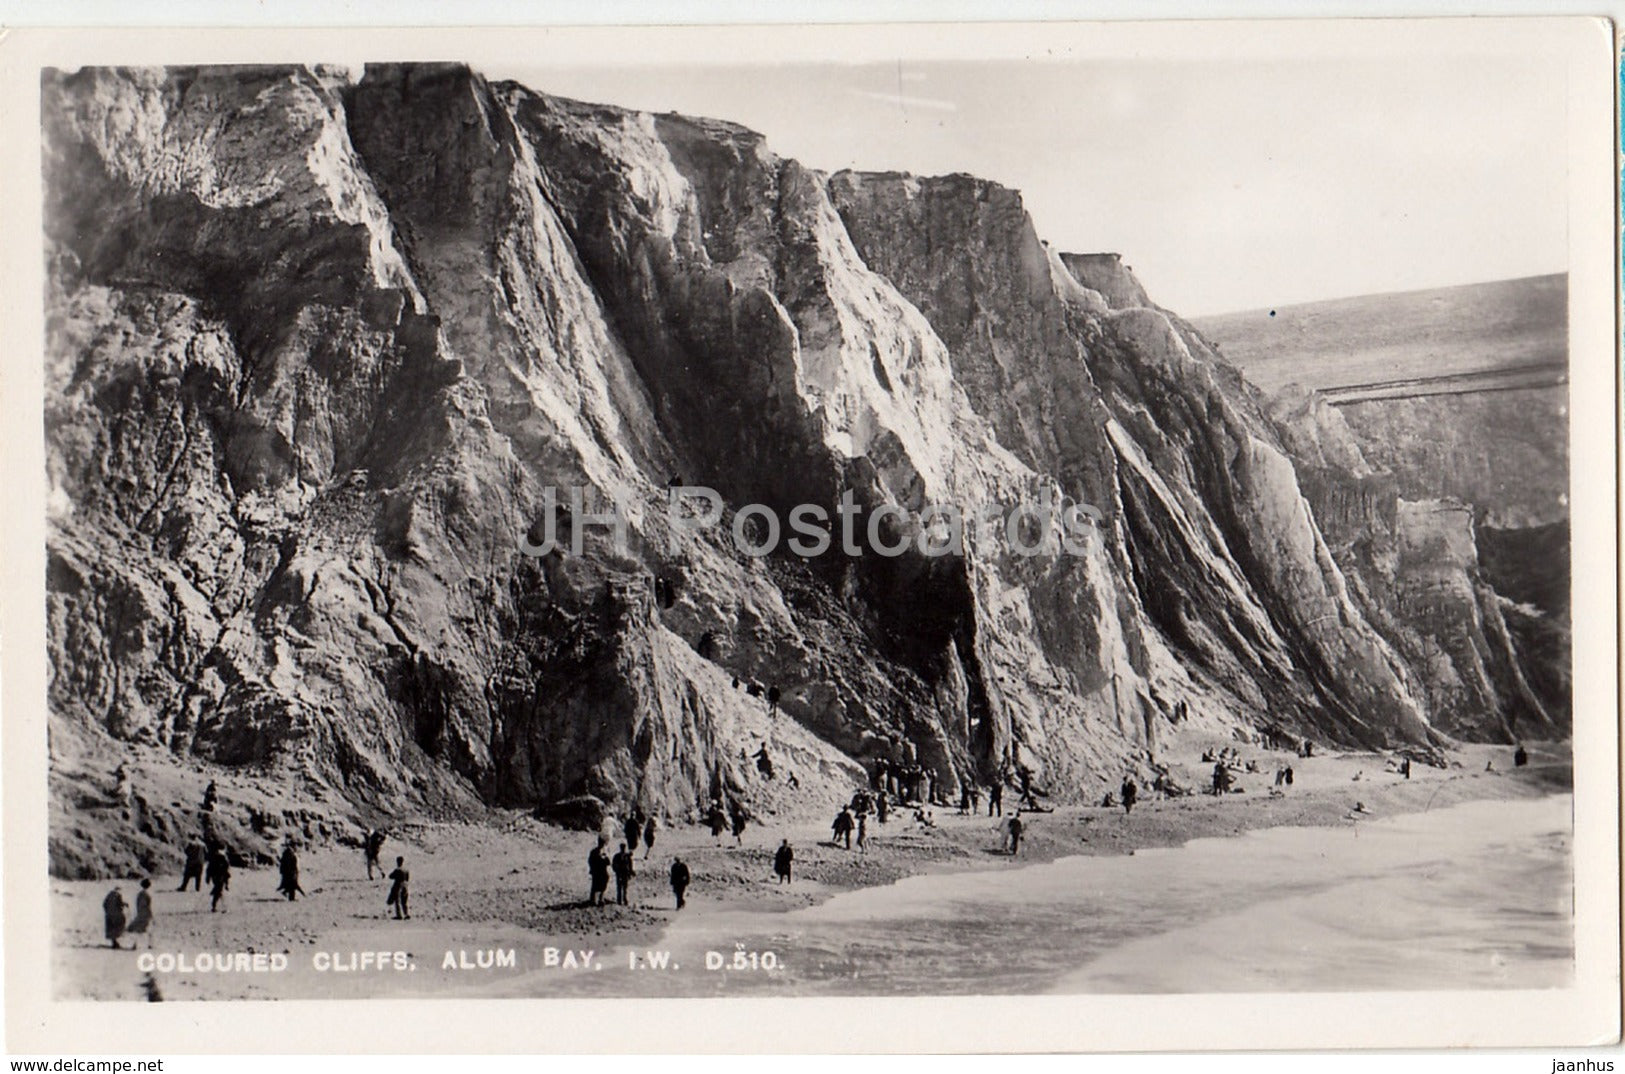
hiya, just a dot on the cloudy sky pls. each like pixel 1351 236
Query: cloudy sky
pixel 1226 184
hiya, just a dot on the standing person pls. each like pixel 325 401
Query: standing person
pixel 1131 794
pixel 1405 768
pixel 1520 757
pixel 1015 834
pixel 398 889
pixel 679 880
pixel 113 910
pixel 288 865
pixel 633 828
pixel 373 845
pixel 739 821
pixel 598 872
pixel 193 870
pixel 648 837
pixel 719 820
pixel 863 831
pixel 218 874
pixel 622 864
pixel 1289 775
pixel 210 794
pixel 141 923
pixel 880 807
pixel 782 859
pixel 842 827
pixel 995 799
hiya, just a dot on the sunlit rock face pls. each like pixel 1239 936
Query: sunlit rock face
pixel 322 352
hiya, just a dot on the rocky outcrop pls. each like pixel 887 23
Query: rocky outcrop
pixel 1486 635
pixel 326 360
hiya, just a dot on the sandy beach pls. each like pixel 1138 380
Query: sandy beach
pixel 493 904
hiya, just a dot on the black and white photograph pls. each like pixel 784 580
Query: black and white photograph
pixel 852 517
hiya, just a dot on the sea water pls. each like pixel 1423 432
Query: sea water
pixel 1473 896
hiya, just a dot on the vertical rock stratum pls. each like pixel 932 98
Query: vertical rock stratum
pixel 318 348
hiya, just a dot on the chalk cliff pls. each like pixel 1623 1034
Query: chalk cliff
pixel 318 347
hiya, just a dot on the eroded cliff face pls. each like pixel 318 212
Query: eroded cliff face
pixel 316 350
pixel 1487 634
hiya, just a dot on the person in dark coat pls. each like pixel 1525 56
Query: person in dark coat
pixel 1131 794
pixel 718 820
pixel 679 880
pixel 141 923
pixel 1520 757
pixel 598 871
pixel 1015 834
pixel 398 892
pixel 113 910
pixel 648 837
pixel 288 865
pixel 633 828
pixel 995 799
pixel 218 874
pixel 881 807
pixel 622 865
pixel 739 820
pixel 211 794
pixel 193 870
pixel 782 861
pixel 842 827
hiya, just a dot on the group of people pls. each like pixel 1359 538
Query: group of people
pixel 622 865
pixel 905 781
pixel 722 818
pixel 115 915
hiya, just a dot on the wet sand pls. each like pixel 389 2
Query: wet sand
pixel 521 886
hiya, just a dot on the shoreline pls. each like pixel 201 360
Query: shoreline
pixel 476 887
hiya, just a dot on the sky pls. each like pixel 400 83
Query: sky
pixel 1225 184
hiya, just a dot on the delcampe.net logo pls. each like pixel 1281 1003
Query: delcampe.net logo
pixel 1054 525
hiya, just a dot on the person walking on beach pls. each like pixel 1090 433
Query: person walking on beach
pixel 1015 834
pixel 648 838
pixel 218 874
pixel 192 871
pixel 739 822
pixel 113 910
pixel 373 845
pixel 782 860
pixel 679 880
pixel 622 865
pixel 1131 794
pixel 141 923
pixel 598 872
pixel 288 865
pixel 842 827
pixel 399 878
